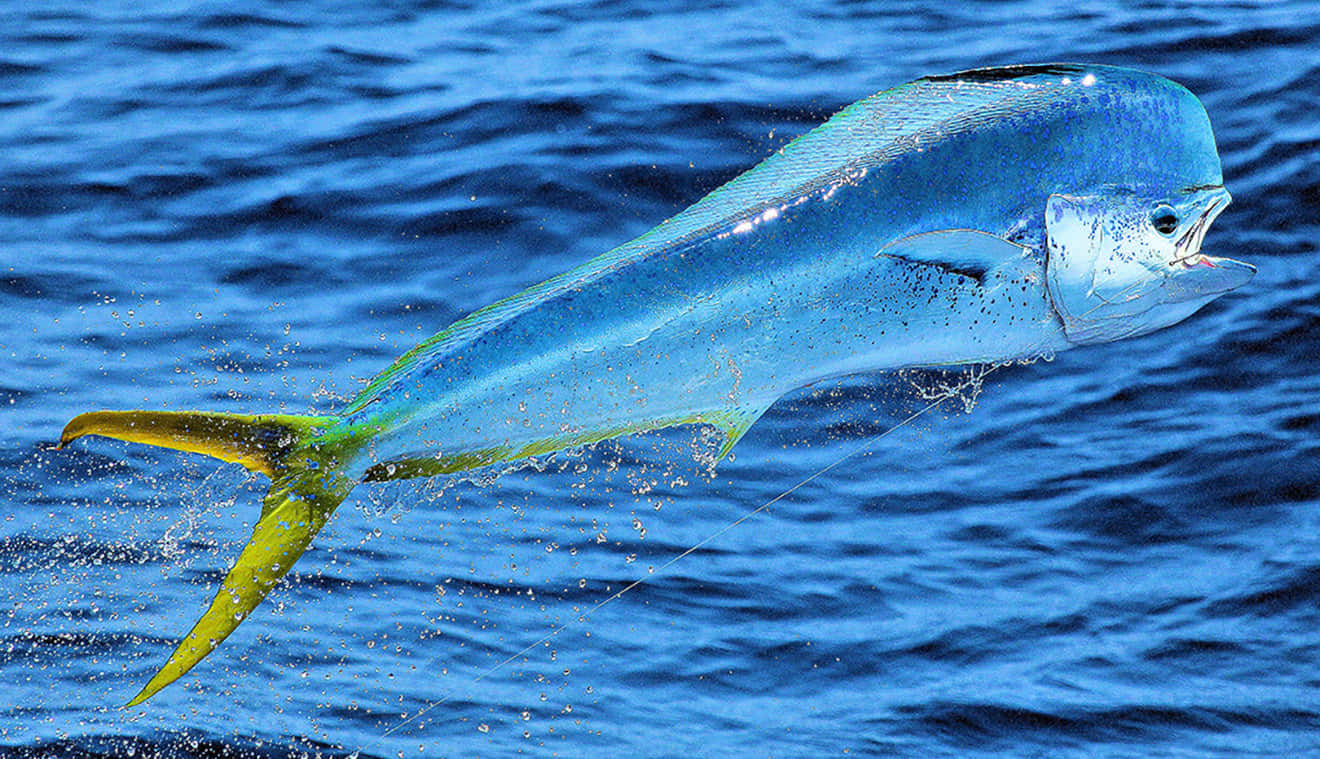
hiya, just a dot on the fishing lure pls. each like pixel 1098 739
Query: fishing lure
pixel 982 216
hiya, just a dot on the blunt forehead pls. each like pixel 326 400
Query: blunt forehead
pixel 1122 127
pixel 1013 137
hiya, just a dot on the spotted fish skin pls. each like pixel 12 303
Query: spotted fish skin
pixel 974 217
pixel 776 280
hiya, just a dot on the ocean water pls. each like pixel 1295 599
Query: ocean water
pixel 256 206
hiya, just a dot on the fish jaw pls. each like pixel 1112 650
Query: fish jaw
pixel 1208 278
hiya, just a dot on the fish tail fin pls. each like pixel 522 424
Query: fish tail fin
pixel 295 509
pixel 306 488
pixel 259 442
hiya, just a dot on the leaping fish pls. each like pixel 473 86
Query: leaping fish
pixel 982 216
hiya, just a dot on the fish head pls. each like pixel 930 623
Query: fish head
pixel 1123 263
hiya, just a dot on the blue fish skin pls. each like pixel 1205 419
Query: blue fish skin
pixel 977 217
pixel 772 282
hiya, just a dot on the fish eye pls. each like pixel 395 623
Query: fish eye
pixel 1164 220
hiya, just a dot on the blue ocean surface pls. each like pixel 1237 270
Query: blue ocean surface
pixel 256 206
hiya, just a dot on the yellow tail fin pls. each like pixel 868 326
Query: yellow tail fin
pixel 306 489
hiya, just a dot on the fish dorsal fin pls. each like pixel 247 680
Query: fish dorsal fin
pixel 866 134
pixel 735 423
pixel 966 252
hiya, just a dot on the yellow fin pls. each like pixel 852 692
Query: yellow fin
pixel 258 442
pixel 295 509
pixel 306 489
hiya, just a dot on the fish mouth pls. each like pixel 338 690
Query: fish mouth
pixel 1212 274
pixel 1187 251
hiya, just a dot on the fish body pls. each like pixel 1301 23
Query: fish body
pixel 977 217
pixel 795 271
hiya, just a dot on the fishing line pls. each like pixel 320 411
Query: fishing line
pixel 864 446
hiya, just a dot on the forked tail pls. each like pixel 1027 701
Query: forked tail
pixel 306 488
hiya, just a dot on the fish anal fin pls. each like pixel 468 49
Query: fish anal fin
pixel 735 423
pixel 294 511
pixel 967 252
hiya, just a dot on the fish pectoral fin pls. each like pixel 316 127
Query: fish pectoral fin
pixel 966 252
pixel 294 510
pixel 735 423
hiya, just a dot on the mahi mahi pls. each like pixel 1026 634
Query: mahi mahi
pixel 982 216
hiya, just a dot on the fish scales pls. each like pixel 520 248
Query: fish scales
pixel 660 312
pixel 982 216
